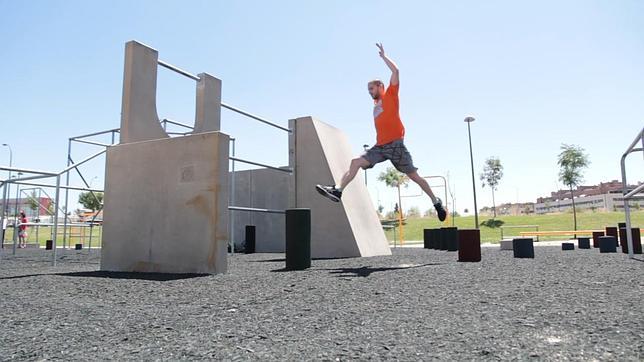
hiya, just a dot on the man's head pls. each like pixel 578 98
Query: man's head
pixel 376 88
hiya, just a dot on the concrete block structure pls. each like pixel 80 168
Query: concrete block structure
pixel 166 199
pixel 320 153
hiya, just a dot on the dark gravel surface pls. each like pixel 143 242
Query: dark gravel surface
pixel 415 305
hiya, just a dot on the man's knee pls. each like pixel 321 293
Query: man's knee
pixel 359 162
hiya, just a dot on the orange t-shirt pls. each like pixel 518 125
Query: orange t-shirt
pixel 389 127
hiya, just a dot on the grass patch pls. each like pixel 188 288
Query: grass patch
pixel 550 222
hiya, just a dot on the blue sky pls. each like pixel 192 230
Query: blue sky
pixel 535 74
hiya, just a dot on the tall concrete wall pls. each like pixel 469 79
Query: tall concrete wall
pixel 261 188
pixel 320 154
pixel 166 205
pixel 166 199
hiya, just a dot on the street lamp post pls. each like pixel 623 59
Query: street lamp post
pixel 365 147
pixel 7 186
pixel 468 120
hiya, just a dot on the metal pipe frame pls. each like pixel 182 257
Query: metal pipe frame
pixel 257 118
pixel 286 170
pixel 91 142
pixel 76 188
pixel 231 242
pixel 95 133
pixel 167 120
pixel 178 70
pixel 254 209
pixel 628 195
pixel 26 170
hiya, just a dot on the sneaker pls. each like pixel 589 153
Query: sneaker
pixel 440 210
pixel 329 192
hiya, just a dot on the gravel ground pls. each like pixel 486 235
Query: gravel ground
pixel 415 305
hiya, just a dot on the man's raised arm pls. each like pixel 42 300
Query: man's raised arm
pixel 394 69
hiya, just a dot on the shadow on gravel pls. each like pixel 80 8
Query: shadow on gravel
pixel 283 260
pixel 116 275
pixel 365 271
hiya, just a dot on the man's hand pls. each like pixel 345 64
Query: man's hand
pixel 394 69
pixel 381 50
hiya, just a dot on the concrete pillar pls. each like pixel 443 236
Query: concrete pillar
pixel 208 112
pixel 139 119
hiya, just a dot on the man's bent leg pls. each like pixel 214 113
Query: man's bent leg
pixel 424 185
pixel 356 164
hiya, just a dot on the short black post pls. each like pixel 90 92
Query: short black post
pixel 469 245
pixel 434 242
pixel 607 244
pixel 583 243
pixel 298 239
pixel 427 238
pixel 596 235
pixel 249 240
pixel 451 234
pixel 637 243
pixel 612 231
pixel 523 248
pixel 567 246
pixel 442 239
pixel 49 244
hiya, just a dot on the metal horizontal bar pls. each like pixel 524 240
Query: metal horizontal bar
pixel 166 120
pixel 91 143
pixel 51 224
pixel 178 70
pixel 635 191
pixel 26 170
pixel 286 170
pixel 28 178
pixel 635 141
pixel 96 133
pixel 82 162
pixel 254 209
pixel 254 117
pixel 76 188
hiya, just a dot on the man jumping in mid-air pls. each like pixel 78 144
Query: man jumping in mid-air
pixel 389 146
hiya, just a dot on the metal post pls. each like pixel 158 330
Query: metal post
pixel 55 228
pixel 469 120
pixel 15 222
pixel 69 160
pixel 3 215
pixel 232 202
pixel 38 216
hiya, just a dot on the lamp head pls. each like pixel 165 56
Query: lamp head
pixel 469 119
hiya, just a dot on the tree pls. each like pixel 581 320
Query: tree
pixel 413 211
pixel 392 178
pixel 572 161
pixel 491 176
pixel 89 201
pixel 33 202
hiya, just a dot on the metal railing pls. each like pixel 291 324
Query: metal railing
pixel 629 195
pixel 536 227
pixel 48 174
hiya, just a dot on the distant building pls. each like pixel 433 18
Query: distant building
pixel 607 196
pixel 25 204
pixel 522 208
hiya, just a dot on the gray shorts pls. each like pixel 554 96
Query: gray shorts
pixel 395 151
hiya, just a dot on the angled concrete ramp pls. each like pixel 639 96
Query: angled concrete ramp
pixel 320 153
